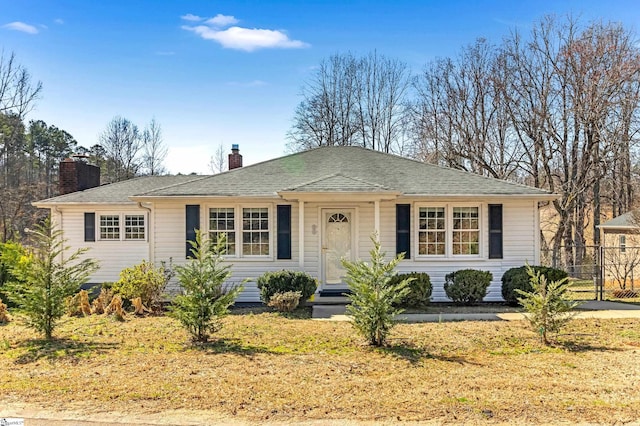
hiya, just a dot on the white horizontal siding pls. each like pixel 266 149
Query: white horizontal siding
pixel 170 243
pixel 113 256
pixel 167 235
pixel 519 246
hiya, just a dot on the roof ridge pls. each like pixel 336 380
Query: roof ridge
pixel 196 178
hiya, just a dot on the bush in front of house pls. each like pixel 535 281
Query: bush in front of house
pixel 283 281
pixel 518 279
pixel 373 297
pixel 285 302
pixel 10 254
pixel 420 289
pixel 467 286
pixel 205 298
pixel 144 281
pixel 549 309
pixel 46 277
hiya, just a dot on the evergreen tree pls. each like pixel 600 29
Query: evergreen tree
pixel 374 295
pixel 46 276
pixel 549 309
pixel 204 299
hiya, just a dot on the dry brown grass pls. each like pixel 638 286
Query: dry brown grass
pixel 268 366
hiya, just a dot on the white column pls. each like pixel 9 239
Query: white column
pixel 376 217
pixel 301 235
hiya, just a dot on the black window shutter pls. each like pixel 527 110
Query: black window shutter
pixel 495 231
pixel 89 226
pixel 192 215
pixel 284 231
pixel 403 230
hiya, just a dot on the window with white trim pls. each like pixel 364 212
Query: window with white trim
pixel 134 227
pixel 448 230
pixel 117 227
pixel 248 229
pixel 466 230
pixel 109 227
pixel 255 231
pixel 222 221
pixel 431 231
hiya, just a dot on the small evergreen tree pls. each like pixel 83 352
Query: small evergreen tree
pixel 46 276
pixel 374 296
pixel 549 310
pixel 204 300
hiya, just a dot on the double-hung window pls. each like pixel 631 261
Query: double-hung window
pixel 110 227
pixel 466 230
pixel 134 227
pixel 448 230
pixel 222 221
pixel 115 227
pixel 432 232
pixel 255 231
pixel 247 229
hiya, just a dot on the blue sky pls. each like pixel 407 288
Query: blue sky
pixel 231 72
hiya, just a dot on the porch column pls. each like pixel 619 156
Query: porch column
pixel 301 234
pixel 376 217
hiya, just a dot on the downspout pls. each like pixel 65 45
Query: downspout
pixel 57 224
pixel 150 234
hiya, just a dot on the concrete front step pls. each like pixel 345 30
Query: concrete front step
pixel 330 300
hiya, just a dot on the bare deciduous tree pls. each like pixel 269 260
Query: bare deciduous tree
pixel 218 161
pixel 17 92
pixel 154 150
pixel 121 144
pixel 353 101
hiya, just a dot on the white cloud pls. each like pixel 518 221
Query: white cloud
pixel 191 17
pixel 221 21
pixel 58 21
pixel 247 39
pixel 21 26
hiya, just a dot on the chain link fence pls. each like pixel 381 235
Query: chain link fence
pixel 598 272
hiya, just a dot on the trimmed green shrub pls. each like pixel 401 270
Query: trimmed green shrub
pixel 467 286
pixel 144 281
pixel 518 278
pixel 420 289
pixel 285 302
pixel 283 281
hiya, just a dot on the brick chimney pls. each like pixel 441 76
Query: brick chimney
pixel 235 159
pixel 76 175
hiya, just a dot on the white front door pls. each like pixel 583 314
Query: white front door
pixel 337 243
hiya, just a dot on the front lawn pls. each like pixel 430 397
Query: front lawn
pixel 264 366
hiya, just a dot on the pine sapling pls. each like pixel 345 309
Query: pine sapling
pixel 549 309
pixel 374 295
pixel 204 299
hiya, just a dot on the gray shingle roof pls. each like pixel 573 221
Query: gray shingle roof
pixel 119 192
pixel 326 169
pixel 626 220
pixel 337 183
pixel 344 169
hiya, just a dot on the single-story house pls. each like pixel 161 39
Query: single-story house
pixel 306 211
